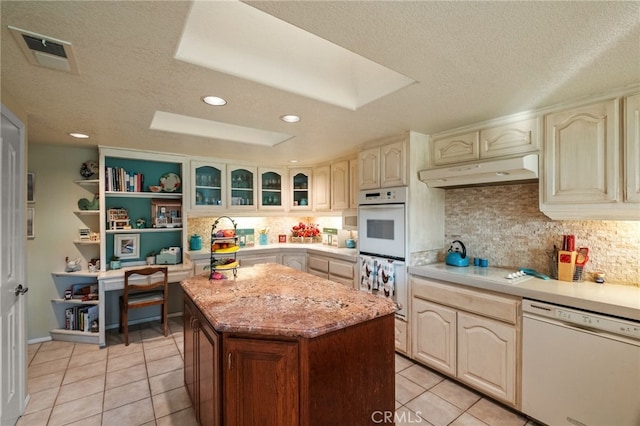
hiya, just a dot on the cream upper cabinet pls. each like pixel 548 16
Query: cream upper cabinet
pixel 586 174
pixel 581 155
pixel 455 149
pixel 340 184
pixel 499 138
pixel 632 148
pixel 393 164
pixel 369 168
pixel 300 187
pixel 272 194
pixel 322 188
pixel 242 184
pixel 383 167
pixel 353 184
pixel 208 183
pixel 517 137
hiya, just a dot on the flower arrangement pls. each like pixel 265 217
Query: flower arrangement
pixel 305 232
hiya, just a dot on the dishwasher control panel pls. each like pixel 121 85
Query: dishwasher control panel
pixel 583 319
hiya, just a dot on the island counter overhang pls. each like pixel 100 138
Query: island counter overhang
pixel 344 342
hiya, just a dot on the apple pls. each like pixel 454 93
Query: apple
pixel 229 232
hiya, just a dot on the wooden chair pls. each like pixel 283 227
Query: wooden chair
pixel 147 292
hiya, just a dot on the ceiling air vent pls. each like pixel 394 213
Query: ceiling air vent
pixel 45 51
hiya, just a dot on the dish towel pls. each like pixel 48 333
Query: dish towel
pixel 386 277
pixel 368 281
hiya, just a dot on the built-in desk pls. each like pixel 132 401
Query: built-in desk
pixel 114 280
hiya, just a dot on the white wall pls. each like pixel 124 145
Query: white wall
pixel 56 226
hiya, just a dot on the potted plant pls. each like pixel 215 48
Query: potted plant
pixel 151 257
pixel 115 262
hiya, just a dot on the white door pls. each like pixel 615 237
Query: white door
pixel 12 270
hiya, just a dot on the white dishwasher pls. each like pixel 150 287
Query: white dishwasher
pixel 579 368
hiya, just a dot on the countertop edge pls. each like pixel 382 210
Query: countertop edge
pixel 338 253
pixel 609 299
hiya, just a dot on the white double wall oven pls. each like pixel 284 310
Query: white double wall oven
pixel 382 244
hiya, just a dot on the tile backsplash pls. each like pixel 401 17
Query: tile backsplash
pixel 504 225
pixel 276 225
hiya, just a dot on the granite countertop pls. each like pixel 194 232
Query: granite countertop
pixel 609 299
pixel 341 253
pixel 272 299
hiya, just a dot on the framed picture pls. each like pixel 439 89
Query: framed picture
pixel 126 246
pixel 31 178
pixel 84 291
pixel 31 223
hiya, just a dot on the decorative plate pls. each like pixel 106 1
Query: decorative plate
pixel 169 182
pixel 89 169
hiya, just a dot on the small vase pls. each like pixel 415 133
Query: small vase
pixel 151 260
pixel 264 239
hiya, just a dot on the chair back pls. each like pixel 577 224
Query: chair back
pixel 132 283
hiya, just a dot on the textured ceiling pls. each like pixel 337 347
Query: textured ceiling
pixel 472 61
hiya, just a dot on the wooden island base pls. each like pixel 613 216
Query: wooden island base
pixel 343 377
pixel 338 372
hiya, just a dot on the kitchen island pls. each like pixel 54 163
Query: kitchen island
pixel 277 346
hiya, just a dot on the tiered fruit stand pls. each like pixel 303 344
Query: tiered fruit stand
pixel 224 246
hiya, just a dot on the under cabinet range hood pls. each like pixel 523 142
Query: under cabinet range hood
pixel 483 173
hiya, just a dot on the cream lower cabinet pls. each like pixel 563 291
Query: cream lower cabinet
pixel 340 271
pixel 295 261
pixel 471 335
pixel 434 341
pixel 486 356
pixel 256 259
pixel 401 336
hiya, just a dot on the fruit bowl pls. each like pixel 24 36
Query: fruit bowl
pixel 155 188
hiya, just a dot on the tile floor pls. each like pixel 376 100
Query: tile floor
pixel 142 384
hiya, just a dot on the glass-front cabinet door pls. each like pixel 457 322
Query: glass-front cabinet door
pixel 208 183
pixel 300 180
pixel 242 187
pixel 272 194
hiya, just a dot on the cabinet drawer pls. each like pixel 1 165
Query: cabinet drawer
pixel 318 274
pixel 341 269
pixel 256 260
pixel 346 281
pixel 319 264
pixel 489 304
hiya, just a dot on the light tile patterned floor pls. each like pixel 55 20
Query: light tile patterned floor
pixel 143 384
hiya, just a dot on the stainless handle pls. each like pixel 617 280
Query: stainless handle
pixel 229 361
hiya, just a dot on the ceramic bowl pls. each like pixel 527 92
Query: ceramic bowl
pixel 155 188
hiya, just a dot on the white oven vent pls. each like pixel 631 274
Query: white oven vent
pixel 45 51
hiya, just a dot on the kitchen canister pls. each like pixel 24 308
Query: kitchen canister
pixel 195 242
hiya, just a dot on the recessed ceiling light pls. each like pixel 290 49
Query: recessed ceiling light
pixel 214 100
pixel 290 118
pixel 79 135
pixel 293 161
